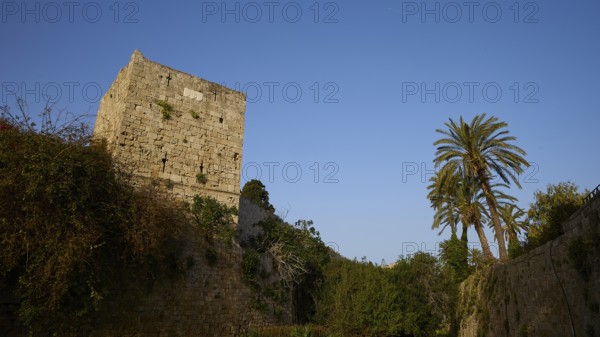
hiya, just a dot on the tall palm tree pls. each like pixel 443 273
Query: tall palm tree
pixel 472 211
pixel 458 198
pixel 511 215
pixel 441 195
pixel 481 149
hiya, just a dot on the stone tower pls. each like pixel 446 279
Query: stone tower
pixel 180 130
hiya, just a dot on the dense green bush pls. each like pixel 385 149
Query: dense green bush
pixel 214 219
pixel 73 234
pixel 549 210
pixel 255 191
pixel 250 263
pixel 299 257
pixel 455 254
pixel 410 299
pixel 289 331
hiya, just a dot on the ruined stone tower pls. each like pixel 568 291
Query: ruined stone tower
pixel 170 127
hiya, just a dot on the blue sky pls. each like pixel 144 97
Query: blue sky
pixel 349 93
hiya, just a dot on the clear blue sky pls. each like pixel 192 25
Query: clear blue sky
pixel 362 68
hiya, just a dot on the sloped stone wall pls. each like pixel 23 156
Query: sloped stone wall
pixel 553 290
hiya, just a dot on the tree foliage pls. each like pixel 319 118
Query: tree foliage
pixel 549 210
pixel 514 225
pixel 410 299
pixel 457 197
pixel 454 253
pixel 255 191
pixel 51 121
pixel 299 257
pixel 73 234
pixel 482 149
pixel 213 218
pixel 442 195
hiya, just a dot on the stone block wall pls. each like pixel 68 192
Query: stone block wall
pixel 212 299
pixel 553 290
pixel 167 126
pixel 209 300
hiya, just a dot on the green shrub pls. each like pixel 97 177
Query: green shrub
pixel 299 256
pixel 250 264
pixel 455 254
pixel 201 178
pixel 254 190
pixel 289 331
pixel 165 109
pixel 214 219
pixel 413 298
pixel 74 235
pixel 550 209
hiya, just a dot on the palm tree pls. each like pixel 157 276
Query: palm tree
pixel 441 195
pixel 511 215
pixel 481 149
pixel 456 198
pixel 472 211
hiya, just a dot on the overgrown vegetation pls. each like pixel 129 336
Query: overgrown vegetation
pixel 289 331
pixel 549 210
pixel 255 191
pixel 70 227
pixel 298 258
pixel 413 298
pixel 214 219
pixel 201 178
pixel 416 297
pixel 166 109
pixel 77 241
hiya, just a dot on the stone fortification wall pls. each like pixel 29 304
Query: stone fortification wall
pixel 553 290
pixel 170 127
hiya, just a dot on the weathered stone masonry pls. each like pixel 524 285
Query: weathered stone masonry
pixel 169 126
pixel 201 134
pixel 542 293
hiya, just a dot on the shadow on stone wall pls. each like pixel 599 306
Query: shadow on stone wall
pixel 210 298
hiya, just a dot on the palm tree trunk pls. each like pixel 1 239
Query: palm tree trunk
pixel 463 236
pixel 512 237
pixel 491 201
pixel 451 219
pixel 485 246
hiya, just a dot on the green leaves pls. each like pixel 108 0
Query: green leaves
pixel 73 234
pixel 214 219
pixel 412 298
pixel 255 191
pixel 549 210
pixel 477 151
pixel 166 109
pixel 201 179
